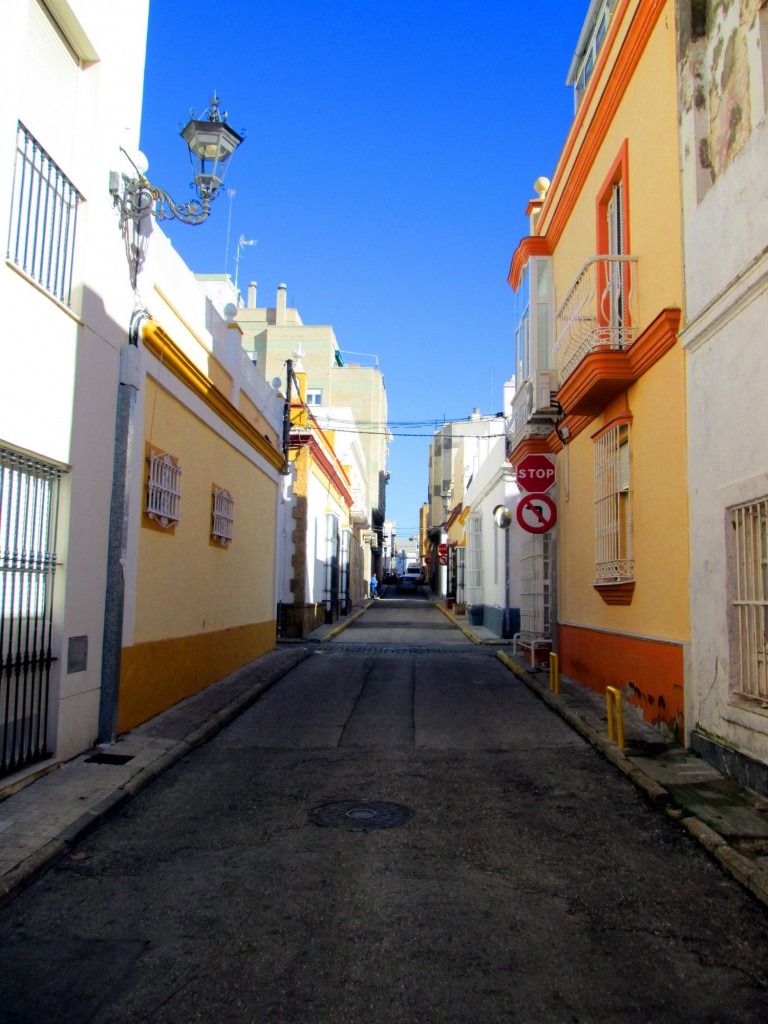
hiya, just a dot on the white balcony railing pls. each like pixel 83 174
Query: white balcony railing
pixel 522 408
pixel 598 312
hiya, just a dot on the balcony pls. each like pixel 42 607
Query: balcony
pixel 527 422
pixel 596 328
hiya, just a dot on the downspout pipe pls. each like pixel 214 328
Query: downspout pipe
pixel 112 644
pixel 287 415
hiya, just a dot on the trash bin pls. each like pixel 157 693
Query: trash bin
pixel 475 612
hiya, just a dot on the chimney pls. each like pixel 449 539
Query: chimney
pixel 252 295
pixel 280 308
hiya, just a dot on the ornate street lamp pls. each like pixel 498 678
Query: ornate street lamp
pixel 211 143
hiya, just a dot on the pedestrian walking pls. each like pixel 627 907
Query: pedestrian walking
pixel 374 587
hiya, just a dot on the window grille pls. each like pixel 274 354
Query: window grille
pixel 474 566
pixel 750 605
pixel 331 589
pixel 163 489
pixel 535 588
pixel 613 507
pixel 29 501
pixel 41 235
pixel 223 515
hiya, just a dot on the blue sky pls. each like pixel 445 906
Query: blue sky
pixel 391 150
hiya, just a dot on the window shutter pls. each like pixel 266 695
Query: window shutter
pixel 51 69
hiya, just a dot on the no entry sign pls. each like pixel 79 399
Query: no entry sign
pixel 535 473
pixel 536 513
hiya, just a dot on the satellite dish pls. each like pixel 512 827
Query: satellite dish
pixel 502 517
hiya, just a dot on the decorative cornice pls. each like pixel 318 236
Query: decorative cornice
pixel 532 245
pixel 164 348
pixel 616 593
pixel 655 341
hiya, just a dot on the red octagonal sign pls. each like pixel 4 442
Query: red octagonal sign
pixel 535 473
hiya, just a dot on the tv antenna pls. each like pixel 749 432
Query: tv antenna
pixel 241 244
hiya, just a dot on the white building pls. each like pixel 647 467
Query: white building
pixel 490 584
pixel 724 150
pixel 72 75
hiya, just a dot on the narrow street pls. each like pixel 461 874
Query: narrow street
pixel 397 832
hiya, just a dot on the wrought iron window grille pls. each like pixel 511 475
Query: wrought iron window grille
pixel 44 204
pixel 163 489
pixel 750 598
pixel 223 516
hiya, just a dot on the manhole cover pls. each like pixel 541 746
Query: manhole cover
pixel 360 815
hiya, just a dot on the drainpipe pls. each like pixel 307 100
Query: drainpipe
pixel 287 415
pixel 128 388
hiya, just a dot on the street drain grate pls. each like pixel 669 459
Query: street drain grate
pixel 109 758
pixel 361 815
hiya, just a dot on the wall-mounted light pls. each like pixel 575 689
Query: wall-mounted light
pixel 211 143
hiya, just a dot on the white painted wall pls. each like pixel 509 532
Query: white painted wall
pixel 59 368
pixel 725 338
pixel 493 484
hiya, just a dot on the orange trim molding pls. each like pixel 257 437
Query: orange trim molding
pixel 164 348
pixel 605 373
pixel 532 245
pixel 655 341
pixel 616 593
pixel 532 446
pixel 638 35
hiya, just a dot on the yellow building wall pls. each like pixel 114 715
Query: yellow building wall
pixel 647 118
pixel 639 646
pixel 659 606
pixel 202 609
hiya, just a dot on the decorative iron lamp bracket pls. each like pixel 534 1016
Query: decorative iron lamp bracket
pixel 211 142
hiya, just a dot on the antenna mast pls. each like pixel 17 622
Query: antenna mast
pixel 242 242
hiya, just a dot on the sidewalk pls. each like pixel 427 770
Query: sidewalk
pixel 42 821
pixel 729 821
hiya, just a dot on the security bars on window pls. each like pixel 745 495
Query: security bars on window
pixel 41 235
pixel 536 588
pixel 750 526
pixel 223 516
pixel 163 489
pixel 613 508
pixel 29 500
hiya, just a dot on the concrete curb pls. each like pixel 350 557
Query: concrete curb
pixel 460 626
pixel 749 874
pixel 347 622
pixel 14 881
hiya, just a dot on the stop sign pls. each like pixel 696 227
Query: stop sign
pixel 536 473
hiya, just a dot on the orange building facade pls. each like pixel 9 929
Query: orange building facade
pixel 600 370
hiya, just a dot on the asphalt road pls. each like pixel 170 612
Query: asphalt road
pixel 530 882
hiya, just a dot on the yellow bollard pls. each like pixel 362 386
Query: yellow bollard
pixel 613 703
pixel 554 672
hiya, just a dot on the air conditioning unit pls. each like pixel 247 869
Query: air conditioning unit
pixel 545 391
